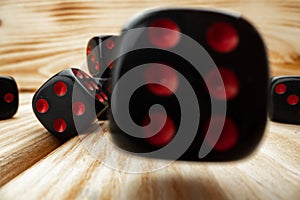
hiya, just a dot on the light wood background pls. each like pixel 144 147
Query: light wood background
pixel 40 38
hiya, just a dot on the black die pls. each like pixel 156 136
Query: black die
pixel 9 97
pixel 284 105
pixel 239 58
pixel 99 53
pixel 69 103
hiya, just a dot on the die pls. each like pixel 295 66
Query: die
pixel 99 53
pixel 9 97
pixel 284 99
pixel 68 103
pixel 228 108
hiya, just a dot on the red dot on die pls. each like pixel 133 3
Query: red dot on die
pixel 42 105
pixel 111 64
pixel 88 86
pixel 97 66
pixel 165 135
pixel 9 97
pixel 78 108
pixel 165 79
pixel 166 33
pixel 77 73
pixel 59 125
pixel 85 75
pixel 229 133
pixel 88 51
pixel 222 37
pixel 99 98
pixel 94 84
pixel 93 57
pixel 104 96
pixel 292 99
pixel 280 88
pixel 225 88
pixel 110 44
pixel 60 88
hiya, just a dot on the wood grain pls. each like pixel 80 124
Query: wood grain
pixel 40 38
pixel 70 172
pixel 23 141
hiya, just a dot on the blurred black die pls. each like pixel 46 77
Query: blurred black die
pixel 9 98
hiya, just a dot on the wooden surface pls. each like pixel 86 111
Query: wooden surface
pixel 39 38
pixel 70 172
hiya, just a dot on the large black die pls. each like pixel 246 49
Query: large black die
pixel 9 97
pixel 69 103
pixel 238 55
pixel 284 105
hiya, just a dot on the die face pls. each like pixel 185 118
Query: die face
pixel 66 104
pixel 92 87
pixel 9 97
pixel 241 60
pixel 100 51
pixel 284 99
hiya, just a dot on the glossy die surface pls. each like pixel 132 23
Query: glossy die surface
pixel 239 55
pixel 284 99
pixel 68 103
pixel 99 53
pixel 9 97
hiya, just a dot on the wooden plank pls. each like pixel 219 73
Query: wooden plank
pixel 70 172
pixel 23 141
pixel 40 38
